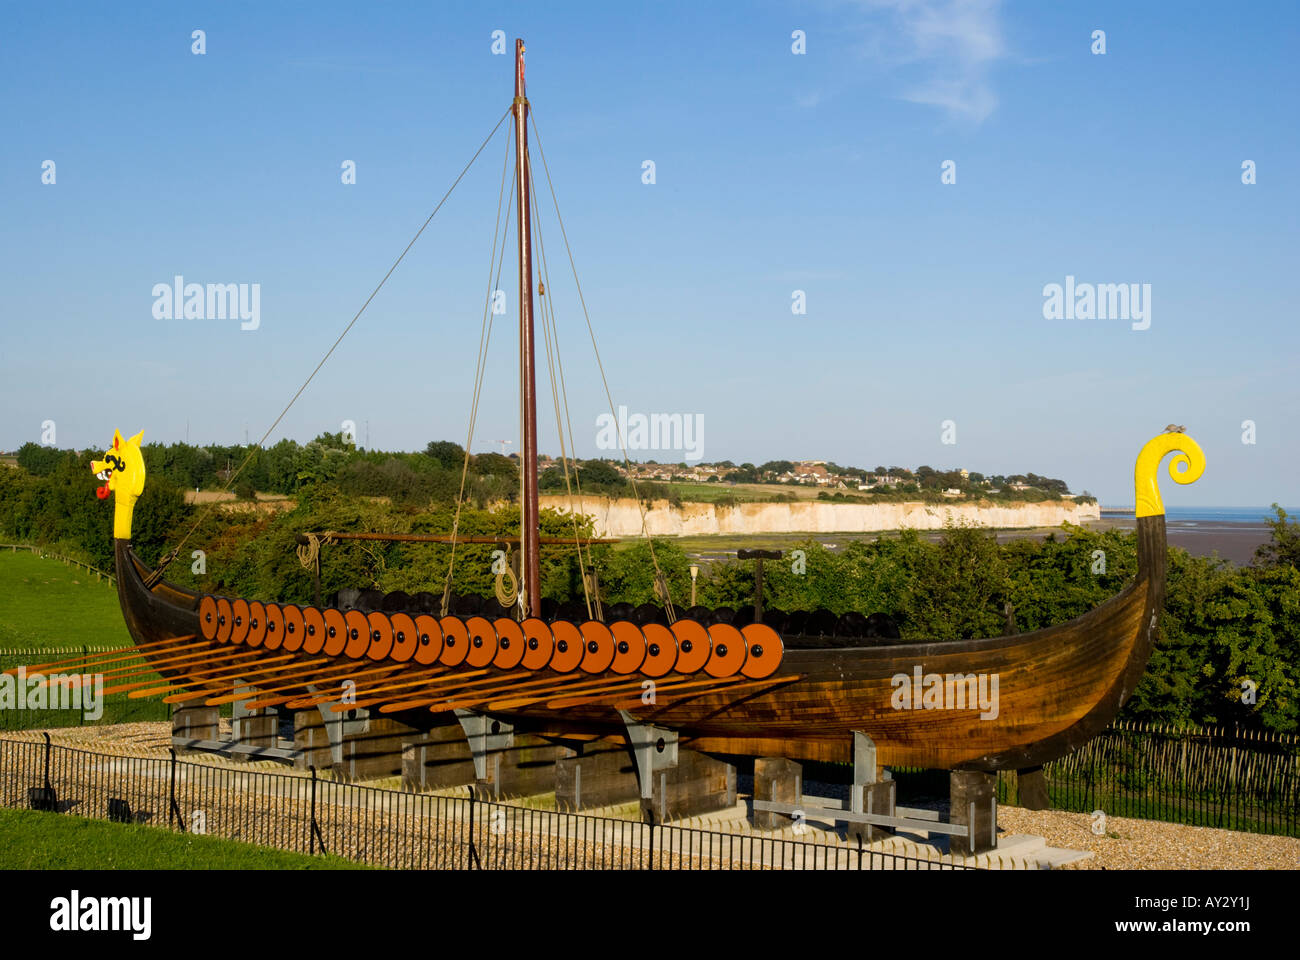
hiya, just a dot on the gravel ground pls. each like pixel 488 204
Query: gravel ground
pixel 1152 844
pixel 350 817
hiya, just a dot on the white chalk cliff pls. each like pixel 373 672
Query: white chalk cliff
pixel 622 518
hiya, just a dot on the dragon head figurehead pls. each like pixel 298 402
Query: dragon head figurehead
pixel 122 470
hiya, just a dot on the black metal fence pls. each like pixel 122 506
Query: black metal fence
pixel 389 828
pixel 1234 779
pixel 45 712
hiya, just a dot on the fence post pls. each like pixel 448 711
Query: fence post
pixel 473 853
pixel 81 714
pixel 312 829
pixel 47 761
pixel 651 815
pixel 173 809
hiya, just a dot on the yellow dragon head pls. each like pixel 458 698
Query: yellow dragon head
pixel 122 471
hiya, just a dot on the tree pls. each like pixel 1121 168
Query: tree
pixel 39 460
pixel 1283 547
pixel 496 465
pixel 448 455
pixel 599 471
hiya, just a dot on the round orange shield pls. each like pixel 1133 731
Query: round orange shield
pixel 629 646
pixel 256 623
pixel 510 643
pixel 313 630
pixel 292 631
pixel 660 650
pixel 429 638
pixel 336 631
pixel 482 642
pixel 381 635
pixel 597 647
pixel 358 634
pixel 455 642
pixel 693 645
pixel 208 617
pixel 765 650
pixel 404 637
pixel 729 651
pixel 274 626
pixel 539 643
pixel 568 646
pixel 225 621
pixel 239 608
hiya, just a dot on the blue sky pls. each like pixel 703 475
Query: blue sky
pixel 775 172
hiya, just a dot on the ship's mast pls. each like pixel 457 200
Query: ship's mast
pixel 528 535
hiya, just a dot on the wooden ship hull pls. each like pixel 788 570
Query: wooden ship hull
pixel 1056 687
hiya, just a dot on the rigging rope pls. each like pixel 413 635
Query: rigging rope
pixel 550 336
pixel 484 338
pixel 166 560
pixel 659 574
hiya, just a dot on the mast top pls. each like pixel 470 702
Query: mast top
pixel 519 69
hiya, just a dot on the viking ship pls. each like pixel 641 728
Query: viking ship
pixel 798 685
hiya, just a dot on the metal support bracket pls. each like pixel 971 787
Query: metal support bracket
pixel 485 735
pixel 337 726
pixel 655 749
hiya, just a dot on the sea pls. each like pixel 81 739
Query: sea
pixel 1232 533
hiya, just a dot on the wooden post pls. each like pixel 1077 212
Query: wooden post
pixel 776 780
pixel 1032 789
pixel 758 556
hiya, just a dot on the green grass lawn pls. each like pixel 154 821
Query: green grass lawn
pixel 58 841
pixel 45 604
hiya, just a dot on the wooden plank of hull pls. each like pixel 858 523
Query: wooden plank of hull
pixel 1057 687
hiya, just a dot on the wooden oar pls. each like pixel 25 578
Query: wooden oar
pixel 153 681
pixel 335 671
pixel 585 686
pixel 216 686
pixel 178 663
pixel 620 689
pixel 198 678
pixel 451 679
pixel 263 701
pixel 196 657
pixel 477 683
pixel 316 699
pixel 99 663
pixel 724 686
pixel 481 695
pixel 88 659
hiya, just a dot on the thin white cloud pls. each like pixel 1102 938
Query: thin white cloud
pixel 948 46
